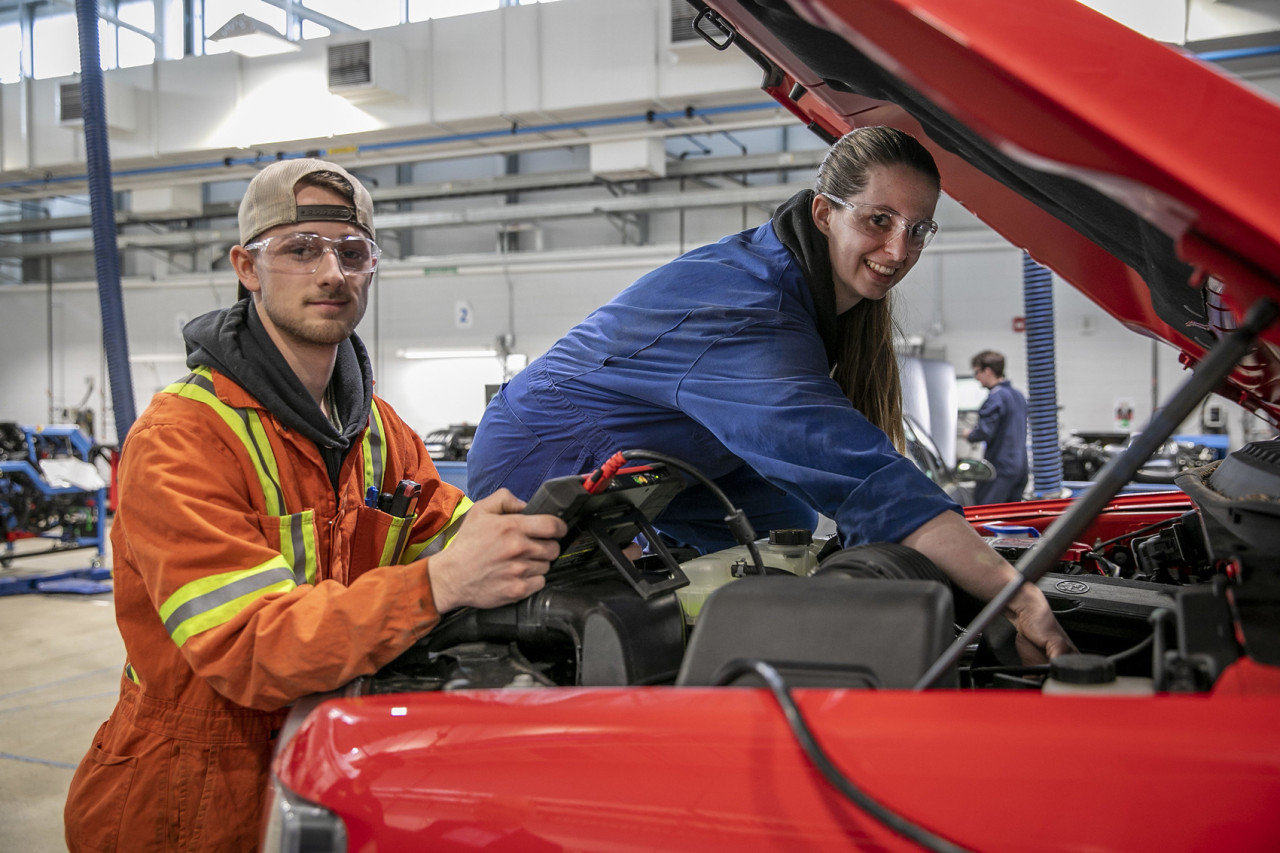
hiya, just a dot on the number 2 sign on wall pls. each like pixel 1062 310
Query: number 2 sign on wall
pixel 463 317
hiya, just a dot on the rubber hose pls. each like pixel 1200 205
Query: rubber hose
pixel 106 253
pixel 1042 384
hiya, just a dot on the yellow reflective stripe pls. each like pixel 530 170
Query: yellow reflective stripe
pixel 131 675
pixel 374 445
pixel 198 385
pixel 298 544
pixel 267 457
pixel 441 540
pixel 397 533
pixel 216 599
pixel 309 545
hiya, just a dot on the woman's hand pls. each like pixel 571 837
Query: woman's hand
pixel 956 549
pixel 1040 637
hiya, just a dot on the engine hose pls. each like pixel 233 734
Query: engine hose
pixel 736 519
pixel 106 253
pixel 1042 406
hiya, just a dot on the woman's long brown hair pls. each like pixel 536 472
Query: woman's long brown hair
pixel 866 366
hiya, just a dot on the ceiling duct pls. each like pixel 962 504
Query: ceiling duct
pixel 366 71
pixel 70 107
pixel 120 104
pixel 682 31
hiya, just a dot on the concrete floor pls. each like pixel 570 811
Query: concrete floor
pixel 60 663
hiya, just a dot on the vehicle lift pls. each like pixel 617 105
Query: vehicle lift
pixel 36 502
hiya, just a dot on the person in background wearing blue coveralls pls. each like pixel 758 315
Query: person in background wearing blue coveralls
pixel 1002 424
pixel 767 361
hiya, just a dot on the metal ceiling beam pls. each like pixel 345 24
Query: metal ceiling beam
pixel 179 171
pixel 768 195
pixel 701 167
pixel 112 19
pixel 299 11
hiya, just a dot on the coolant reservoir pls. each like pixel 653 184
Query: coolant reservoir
pixel 792 551
pixel 1092 675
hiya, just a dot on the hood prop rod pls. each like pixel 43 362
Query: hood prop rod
pixel 1208 375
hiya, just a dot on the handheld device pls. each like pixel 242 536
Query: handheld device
pixel 602 523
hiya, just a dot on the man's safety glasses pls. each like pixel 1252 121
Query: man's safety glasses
pixel 884 223
pixel 302 254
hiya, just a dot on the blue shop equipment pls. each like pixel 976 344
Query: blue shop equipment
pixel 50 490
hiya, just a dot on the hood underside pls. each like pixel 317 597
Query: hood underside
pixel 1138 173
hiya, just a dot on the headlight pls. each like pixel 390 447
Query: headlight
pixel 295 825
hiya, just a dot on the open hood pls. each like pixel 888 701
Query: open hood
pixel 1143 176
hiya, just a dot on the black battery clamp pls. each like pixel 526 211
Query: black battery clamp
pixel 604 515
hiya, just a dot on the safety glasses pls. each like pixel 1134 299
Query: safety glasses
pixel 302 254
pixel 884 223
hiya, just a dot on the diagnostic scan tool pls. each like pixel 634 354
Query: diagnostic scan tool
pixel 604 521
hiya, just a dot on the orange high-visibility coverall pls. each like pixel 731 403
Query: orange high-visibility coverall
pixel 233 601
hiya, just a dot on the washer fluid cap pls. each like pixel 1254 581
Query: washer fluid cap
pixel 790 536
pixel 1082 669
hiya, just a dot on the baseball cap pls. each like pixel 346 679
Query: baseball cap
pixel 269 201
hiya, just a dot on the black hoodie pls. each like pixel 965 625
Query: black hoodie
pixel 794 226
pixel 234 342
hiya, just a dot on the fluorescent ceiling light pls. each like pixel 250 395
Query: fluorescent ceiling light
pixel 248 36
pixel 446 353
pixel 156 358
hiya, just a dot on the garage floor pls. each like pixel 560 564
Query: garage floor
pixel 60 662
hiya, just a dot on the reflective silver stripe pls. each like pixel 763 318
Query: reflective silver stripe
pixel 176 623
pixel 298 545
pixel 199 380
pixel 267 459
pixel 374 450
pixel 441 540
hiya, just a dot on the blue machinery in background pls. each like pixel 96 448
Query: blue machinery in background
pixel 38 501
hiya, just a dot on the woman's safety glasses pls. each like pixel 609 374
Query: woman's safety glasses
pixel 884 223
pixel 302 254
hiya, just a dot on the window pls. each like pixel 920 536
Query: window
pixel 421 10
pixel 59 45
pixel 10 52
pixel 365 15
pixel 134 48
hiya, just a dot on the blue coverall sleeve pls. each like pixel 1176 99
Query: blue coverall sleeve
pixel 760 390
pixel 990 416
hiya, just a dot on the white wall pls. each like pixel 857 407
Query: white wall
pixel 978 294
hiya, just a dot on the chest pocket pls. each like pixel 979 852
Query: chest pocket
pixel 379 540
pixel 293 534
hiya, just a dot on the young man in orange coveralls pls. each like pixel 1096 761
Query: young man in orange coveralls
pixel 249 570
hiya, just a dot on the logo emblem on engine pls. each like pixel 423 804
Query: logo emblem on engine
pixel 1072 587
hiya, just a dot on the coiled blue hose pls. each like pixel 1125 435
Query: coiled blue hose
pixel 106 254
pixel 1042 384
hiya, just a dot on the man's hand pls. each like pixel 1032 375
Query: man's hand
pixel 498 557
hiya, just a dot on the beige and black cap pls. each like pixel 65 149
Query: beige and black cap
pixel 270 201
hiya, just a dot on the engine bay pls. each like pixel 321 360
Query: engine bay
pixel 1162 593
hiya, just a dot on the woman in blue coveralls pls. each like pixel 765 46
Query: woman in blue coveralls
pixel 767 361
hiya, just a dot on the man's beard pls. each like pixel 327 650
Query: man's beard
pixel 310 330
